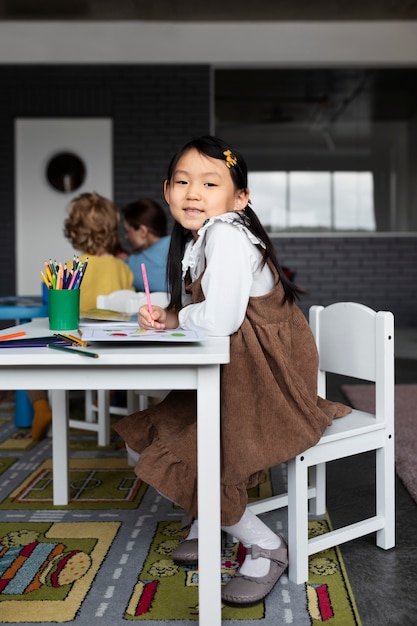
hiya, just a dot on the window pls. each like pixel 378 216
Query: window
pixel 313 201
pixel 353 201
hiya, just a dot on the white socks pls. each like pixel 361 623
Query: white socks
pixel 251 530
pixel 193 534
pixel 132 456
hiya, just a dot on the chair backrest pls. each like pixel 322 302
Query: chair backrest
pixel 127 301
pixel 356 341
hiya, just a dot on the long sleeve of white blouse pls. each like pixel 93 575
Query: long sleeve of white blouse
pixel 234 272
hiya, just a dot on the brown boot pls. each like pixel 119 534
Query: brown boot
pixel 42 419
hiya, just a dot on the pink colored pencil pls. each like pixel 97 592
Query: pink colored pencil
pixel 147 292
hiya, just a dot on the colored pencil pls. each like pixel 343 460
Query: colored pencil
pixel 73 279
pixel 72 339
pixel 45 280
pixel 74 350
pixel 147 292
pixel 48 272
pixel 13 336
pixel 59 276
pixel 78 340
pixel 84 267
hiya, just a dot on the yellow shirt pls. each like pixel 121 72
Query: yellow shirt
pixel 103 275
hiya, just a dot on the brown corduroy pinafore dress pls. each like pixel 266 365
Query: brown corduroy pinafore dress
pixel 270 410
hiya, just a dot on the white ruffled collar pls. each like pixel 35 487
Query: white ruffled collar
pixel 193 248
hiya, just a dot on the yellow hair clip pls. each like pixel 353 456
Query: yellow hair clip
pixel 231 160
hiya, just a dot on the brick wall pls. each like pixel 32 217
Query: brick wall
pixel 379 271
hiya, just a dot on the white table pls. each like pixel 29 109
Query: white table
pixel 146 366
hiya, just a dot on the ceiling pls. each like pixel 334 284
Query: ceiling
pixel 266 98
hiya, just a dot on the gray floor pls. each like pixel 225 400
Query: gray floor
pixel 384 582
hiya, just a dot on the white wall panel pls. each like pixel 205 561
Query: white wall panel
pixel 41 209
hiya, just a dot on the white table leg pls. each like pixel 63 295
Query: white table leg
pixel 60 431
pixel 208 450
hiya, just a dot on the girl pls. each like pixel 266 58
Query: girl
pixel 225 280
pixel 92 228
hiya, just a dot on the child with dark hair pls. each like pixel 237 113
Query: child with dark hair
pixel 225 280
pixel 145 226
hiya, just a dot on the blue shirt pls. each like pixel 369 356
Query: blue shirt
pixel 155 259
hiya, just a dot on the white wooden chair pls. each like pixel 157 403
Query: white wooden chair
pixel 98 409
pixel 127 301
pixel 355 341
pixel 97 403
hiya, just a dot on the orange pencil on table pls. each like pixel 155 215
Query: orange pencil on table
pixel 13 335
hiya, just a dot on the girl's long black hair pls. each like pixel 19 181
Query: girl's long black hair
pixel 215 148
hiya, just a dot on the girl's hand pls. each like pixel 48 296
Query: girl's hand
pixel 156 320
pixel 159 320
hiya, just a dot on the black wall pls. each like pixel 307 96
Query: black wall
pixel 379 271
pixel 154 110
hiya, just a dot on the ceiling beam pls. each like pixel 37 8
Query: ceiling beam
pixel 273 44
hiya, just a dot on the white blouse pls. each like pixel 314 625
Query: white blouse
pixel 234 272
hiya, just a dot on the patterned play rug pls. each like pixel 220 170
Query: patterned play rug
pixel 94 484
pixel 6 463
pixel 106 557
pixel 165 589
pixel 46 569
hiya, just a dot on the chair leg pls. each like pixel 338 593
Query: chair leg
pixel 90 409
pixel 385 495
pixel 298 519
pixel 103 419
pixel 143 402
pixel 132 402
pixel 317 479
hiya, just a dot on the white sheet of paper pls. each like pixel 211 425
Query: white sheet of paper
pixel 124 333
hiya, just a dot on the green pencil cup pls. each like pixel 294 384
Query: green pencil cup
pixel 64 309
